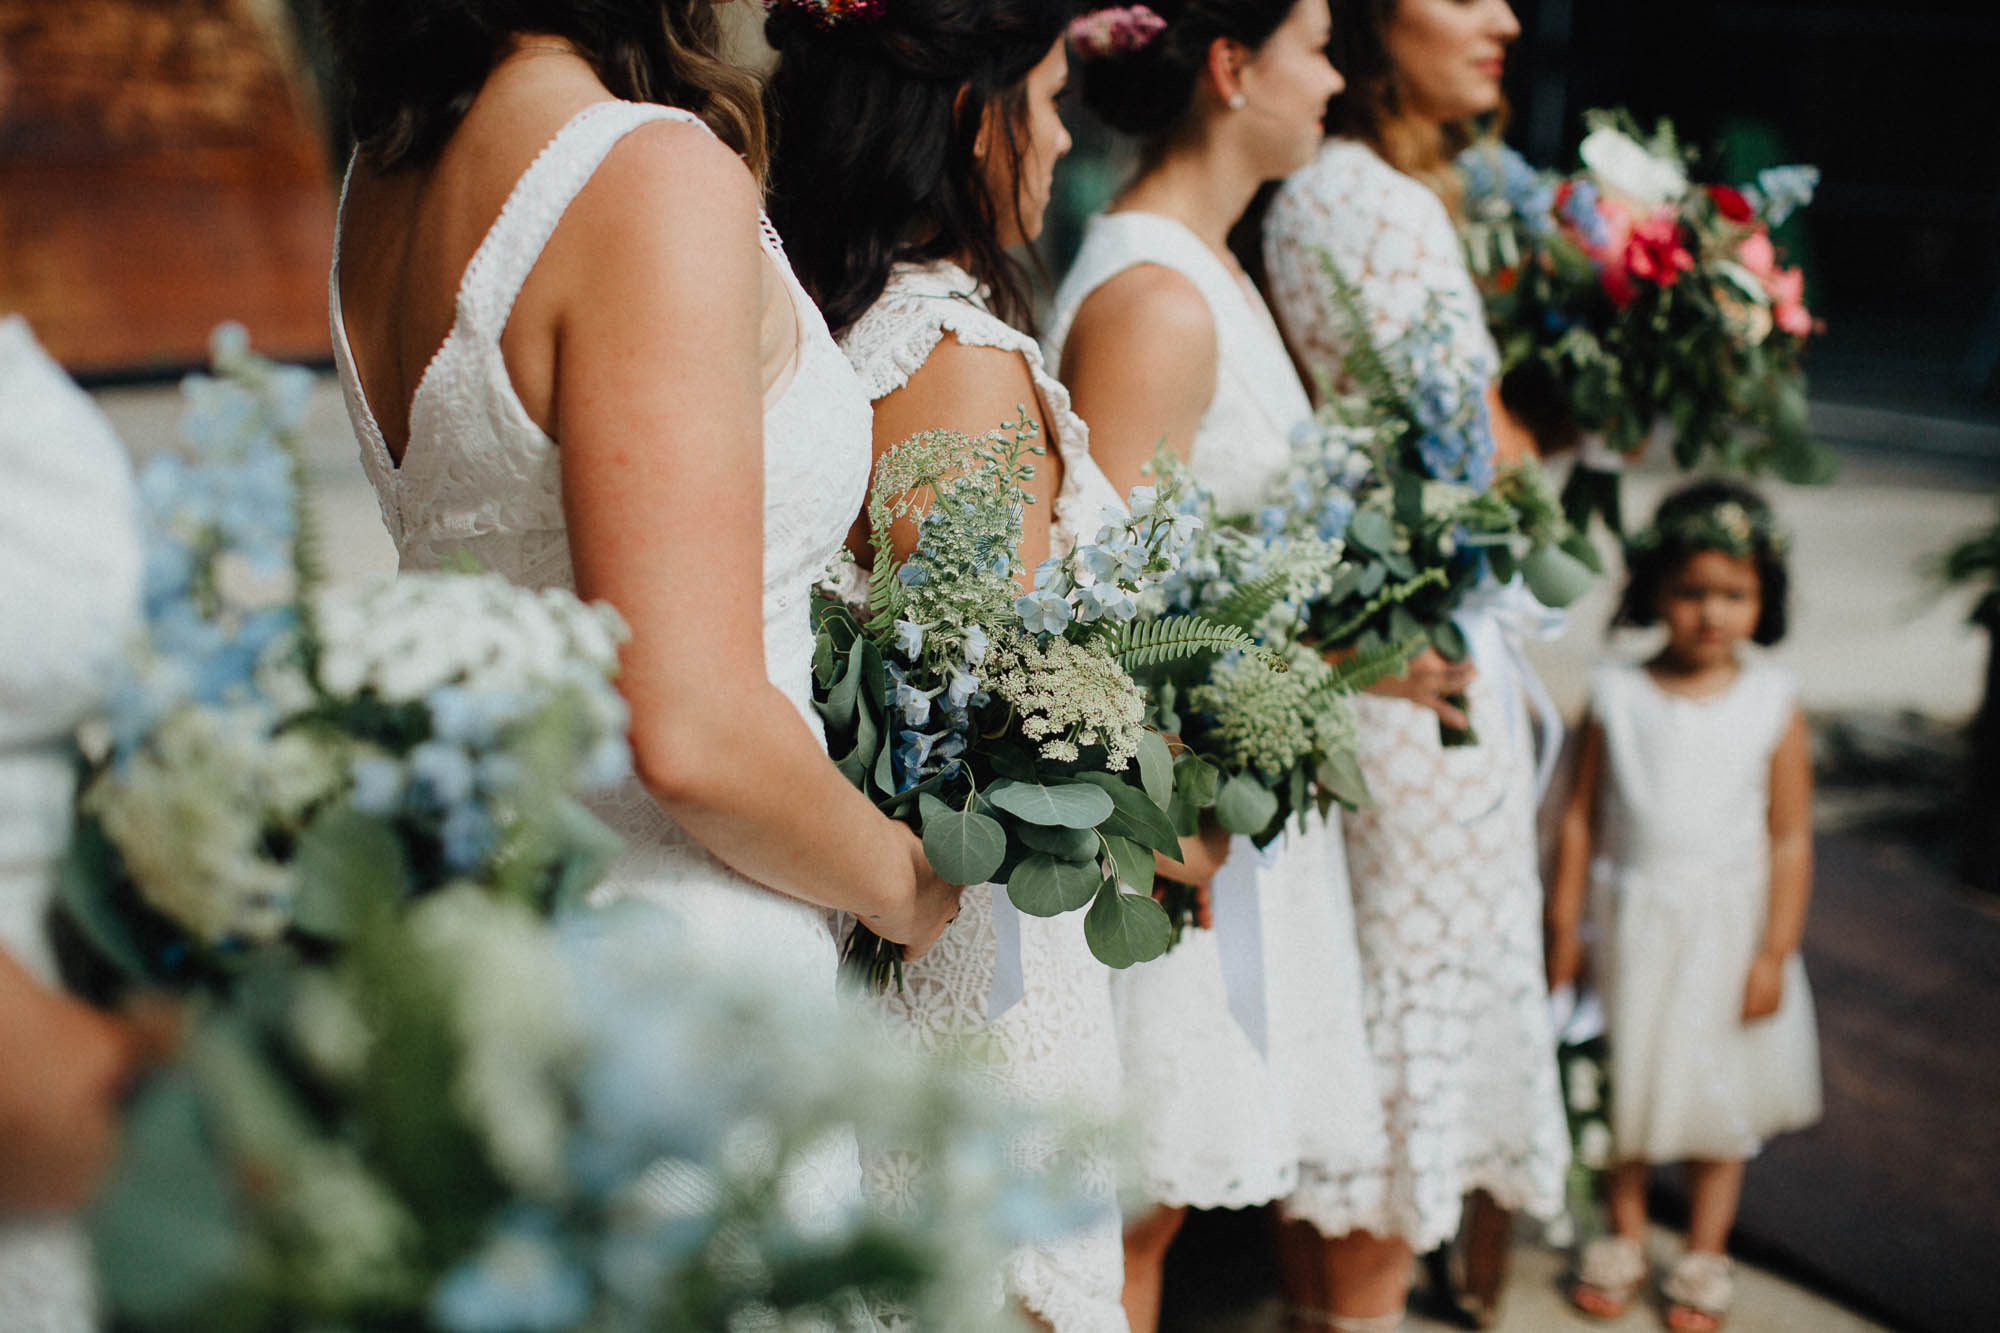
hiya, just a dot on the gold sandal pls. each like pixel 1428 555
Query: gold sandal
pixel 1608 1276
pixel 1699 1290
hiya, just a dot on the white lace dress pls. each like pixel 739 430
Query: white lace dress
pixel 69 546
pixel 1446 891
pixel 1679 895
pixel 1224 1123
pixel 1056 1046
pixel 479 476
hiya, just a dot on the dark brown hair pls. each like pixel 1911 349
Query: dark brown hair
pixel 1371 107
pixel 875 122
pixel 1670 543
pixel 1147 93
pixel 409 69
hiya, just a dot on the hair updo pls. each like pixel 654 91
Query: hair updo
pixel 1148 92
pixel 1723 516
pixel 876 116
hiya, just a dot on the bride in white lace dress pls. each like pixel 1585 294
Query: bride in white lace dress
pixel 897 157
pixel 627 393
pixel 1447 891
pixel 1162 336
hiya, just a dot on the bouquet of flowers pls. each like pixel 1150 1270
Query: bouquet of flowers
pixel 284 758
pixel 1631 296
pixel 1008 727
pixel 1583 1063
pixel 475 1120
pixel 1401 470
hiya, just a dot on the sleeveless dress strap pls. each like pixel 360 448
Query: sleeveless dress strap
pixel 538 201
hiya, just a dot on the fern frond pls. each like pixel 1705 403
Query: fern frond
pixel 1369 665
pixel 1171 639
pixel 1389 596
pixel 1364 364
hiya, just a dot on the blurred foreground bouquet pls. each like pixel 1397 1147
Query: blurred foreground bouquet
pixel 282 754
pixel 1008 727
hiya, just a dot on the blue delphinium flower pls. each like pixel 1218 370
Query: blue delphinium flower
pixel 378 785
pixel 976 645
pixel 1104 601
pixel 1043 612
pixel 1336 511
pixel 910 638
pixel 519 1281
pixel 441 774
pixel 1580 211
pixel 467 836
pixel 1782 191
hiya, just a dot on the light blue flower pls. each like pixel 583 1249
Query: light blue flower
pixel 519 1282
pixel 1043 612
pixel 1782 191
pixel 441 774
pixel 976 645
pixel 607 765
pixel 912 755
pixel 1100 561
pixel 470 717
pixel 959 687
pixel 467 836
pixel 911 574
pixel 914 704
pixel 1105 601
pixel 1050 576
pixel 1580 211
pixel 1336 511
pixel 378 785
pixel 910 638
pixel 1271 519
pixel 1142 499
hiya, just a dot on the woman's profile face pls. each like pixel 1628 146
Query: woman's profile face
pixel 1286 84
pixel 1041 139
pixel 1449 55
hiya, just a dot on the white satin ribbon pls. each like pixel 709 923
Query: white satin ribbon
pixel 1502 616
pixel 1009 982
pixel 1237 910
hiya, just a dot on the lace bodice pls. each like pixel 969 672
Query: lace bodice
pixel 70 548
pixel 1056 1045
pixel 1390 235
pixel 479 476
pixel 923 302
pixel 1242 443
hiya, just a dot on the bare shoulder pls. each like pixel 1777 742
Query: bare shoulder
pixel 672 169
pixel 961 386
pixel 1148 313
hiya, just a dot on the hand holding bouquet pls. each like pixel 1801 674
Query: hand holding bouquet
pixel 1008 726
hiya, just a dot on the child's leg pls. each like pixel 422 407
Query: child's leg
pixel 1146 1240
pixel 1625 1198
pixel 1713 1191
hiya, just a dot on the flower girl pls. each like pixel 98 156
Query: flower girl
pixel 1692 825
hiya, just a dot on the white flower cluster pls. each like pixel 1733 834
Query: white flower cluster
pixel 1069 695
pixel 191 813
pixel 386 638
pixel 1270 720
pixel 1625 167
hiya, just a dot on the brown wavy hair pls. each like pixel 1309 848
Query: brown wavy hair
pixel 409 69
pixel 1371 107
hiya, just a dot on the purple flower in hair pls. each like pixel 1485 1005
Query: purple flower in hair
pixel 1116 31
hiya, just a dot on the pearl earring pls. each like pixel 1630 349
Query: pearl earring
pixel 1237 101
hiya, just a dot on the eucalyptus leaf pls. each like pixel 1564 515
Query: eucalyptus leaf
pixel 1126 928
pixel 1064 805
pixel 590 848
pixel 1372 531
pixel 1134 864
pixel 1340 773
pixel 1136 816
pixel 1044 886
pixel 348 867
pixel 1065 844
pixel 1449 640
pixel 1156 767
pixel 1197 779
pixel 963 846
pixel 1245 805
pixel 884 772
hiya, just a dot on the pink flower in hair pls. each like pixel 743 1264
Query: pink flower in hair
pixel 1116 31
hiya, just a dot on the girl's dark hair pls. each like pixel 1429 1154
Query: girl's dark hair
pixel 1147 93
pixel 1707 516
pixel 409 69
pixel 875 120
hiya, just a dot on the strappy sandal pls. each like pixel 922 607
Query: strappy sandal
pixel 1608 1276
pixel 1699 1290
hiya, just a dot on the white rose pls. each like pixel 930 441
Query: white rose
pixel 1624 167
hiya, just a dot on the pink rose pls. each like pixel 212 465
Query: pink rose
pixel 1757 254
pixel 1787 289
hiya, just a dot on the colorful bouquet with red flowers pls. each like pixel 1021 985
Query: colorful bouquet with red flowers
pixel 1636 303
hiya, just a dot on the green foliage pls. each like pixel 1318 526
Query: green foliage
pixel 1139 644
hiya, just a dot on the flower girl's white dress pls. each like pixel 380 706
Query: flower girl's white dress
pixel 1447 894
pixel 479 477
pixel 1056 1045
pixel 1225 1122
pixel 69 546
pixel 1679 894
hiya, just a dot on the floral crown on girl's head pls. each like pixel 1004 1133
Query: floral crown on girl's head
pixel 1119 30
pixel 831 13
pixel 1727 526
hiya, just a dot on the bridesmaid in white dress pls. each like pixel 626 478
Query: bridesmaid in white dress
pixel 1162 336
pixel 1446 884
pixel 69 550
pixel 914 147
pixel 568 349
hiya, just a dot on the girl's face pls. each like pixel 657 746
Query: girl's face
pixel 1710 605
pixel 1449 55
pixel 1041 139
pixel 1286 84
